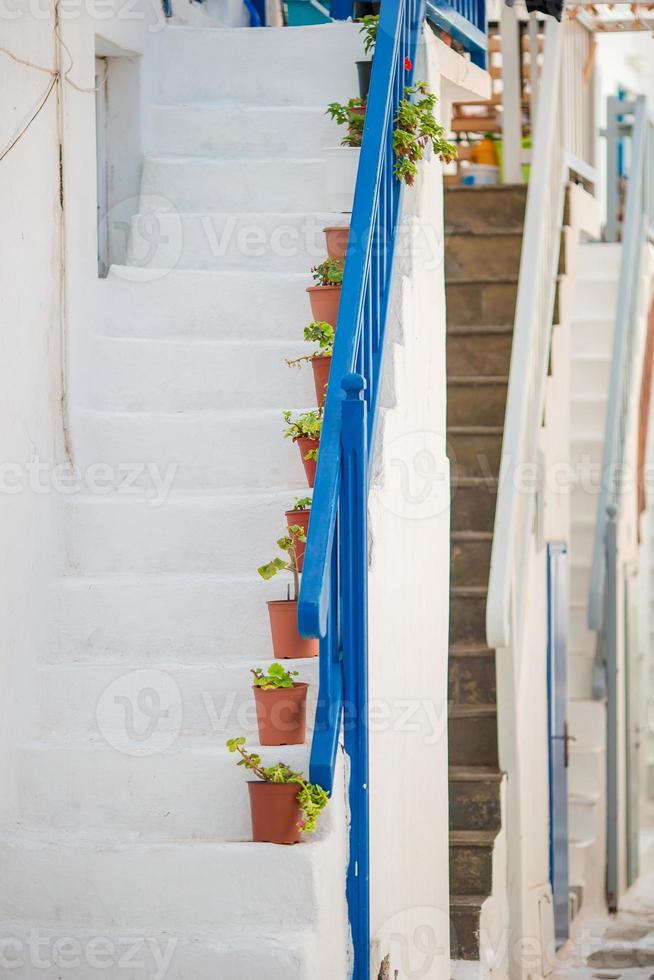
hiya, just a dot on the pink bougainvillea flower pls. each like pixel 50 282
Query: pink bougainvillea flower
pixel 408 64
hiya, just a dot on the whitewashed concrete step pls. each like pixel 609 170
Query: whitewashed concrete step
pixel 580 673
pixel 178 375
pixel 195 451
pixel 223 534
pixel 591 335
pixel 225 952
pixel 580 573
pixel 192 789
pixel 586 447
pixel 596 259
pixel 588 411
pixel 587 723
pixel 587 772
pixel 162 241
pixel 212 13
pixel 585 816
pixel 594 297
pixel 241 131
pixel 207 304
pixel 267 66
pixel 195 185
pixel 589 376
pixel 151 619
pixel 581 637
pixel 215 699
pixel 171 886
pixel 583 532
pixel 579 855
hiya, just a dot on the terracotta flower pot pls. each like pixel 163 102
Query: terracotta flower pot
pixel 282 715
pixel 276 813
pixel 305 445
pixel 287 642
pixel 336 237
pixel 324 302
pixel 321 366
pixel 300 517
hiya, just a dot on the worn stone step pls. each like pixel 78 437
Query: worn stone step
pixel 481 302
pixel 473 735
pixel 474 450
pixel 474 798
pixel 472 676
pixel 476 401
pixel 471 862
pixel 479 351
pixel 467 616
pixel 470 553
pixel 465 911
pixel 497 254
pixel 473 502
pixel 479 209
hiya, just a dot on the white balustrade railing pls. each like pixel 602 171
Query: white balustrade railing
pixel 627 121
pixel 531 346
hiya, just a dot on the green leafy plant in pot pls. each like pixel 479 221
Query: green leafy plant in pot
pixel 368 29
pixel 321 333
pixel 283 804
pixel 299 515
pixel 325 294
pixel 281 705
pixel 305 432
pixel 416 128
pixel 351 114
pixel 286 640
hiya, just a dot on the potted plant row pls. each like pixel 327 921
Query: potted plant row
pixel 286 640
pixel 283 804
pixel 415 128
pixel 305 431
pixel 325 294
pixel 320 359
pixel 281 705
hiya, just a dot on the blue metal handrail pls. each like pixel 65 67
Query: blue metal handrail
pixel 333 595
pixel 464 20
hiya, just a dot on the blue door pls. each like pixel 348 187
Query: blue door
pixel 557 652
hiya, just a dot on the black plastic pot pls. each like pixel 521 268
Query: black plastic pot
pixel 364 68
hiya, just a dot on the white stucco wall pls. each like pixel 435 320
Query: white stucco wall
pixel 48 294
pixel 30 367
pixel 409 587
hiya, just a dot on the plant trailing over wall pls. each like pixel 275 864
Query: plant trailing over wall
pixel 321 333
pixel 328 273
pixel 288 544
pixel 274 678
pixel 369 27
pixel 312 798
pixel 352 115
pixel 415 128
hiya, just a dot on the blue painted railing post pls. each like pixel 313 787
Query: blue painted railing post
pixel 354 545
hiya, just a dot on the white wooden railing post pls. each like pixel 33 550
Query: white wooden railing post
pixel 511 101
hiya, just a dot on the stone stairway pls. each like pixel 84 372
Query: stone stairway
pixel 482 255
pixel 593 318
pixel 158 613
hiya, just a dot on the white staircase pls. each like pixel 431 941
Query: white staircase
pixel 591 350
pixel 134 819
